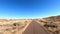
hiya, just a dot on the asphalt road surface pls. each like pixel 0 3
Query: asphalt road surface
pixel 35 28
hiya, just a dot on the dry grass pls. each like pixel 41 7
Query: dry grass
pixel 16 26
pixel 53 27
pixel 12 26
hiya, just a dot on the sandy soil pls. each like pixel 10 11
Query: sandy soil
pixel 22 27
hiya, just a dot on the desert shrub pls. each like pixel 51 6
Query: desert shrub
pixel 7 29
pixel 41 21
pixel 50 25
pixel 16 24
pixel 46 22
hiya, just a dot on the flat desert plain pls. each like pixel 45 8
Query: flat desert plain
pixel 21 27
pixel 30 26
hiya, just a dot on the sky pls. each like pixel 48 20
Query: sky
pixel 29 8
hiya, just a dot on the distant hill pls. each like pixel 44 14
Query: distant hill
pixel 53 18
pixel 52 24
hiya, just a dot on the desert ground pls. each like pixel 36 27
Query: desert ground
pixel 50 25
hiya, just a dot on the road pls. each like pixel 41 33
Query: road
pixel 35 28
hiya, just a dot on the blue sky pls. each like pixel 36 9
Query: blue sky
pixel 29 8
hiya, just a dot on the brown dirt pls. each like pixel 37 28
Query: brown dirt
pixel 35 28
